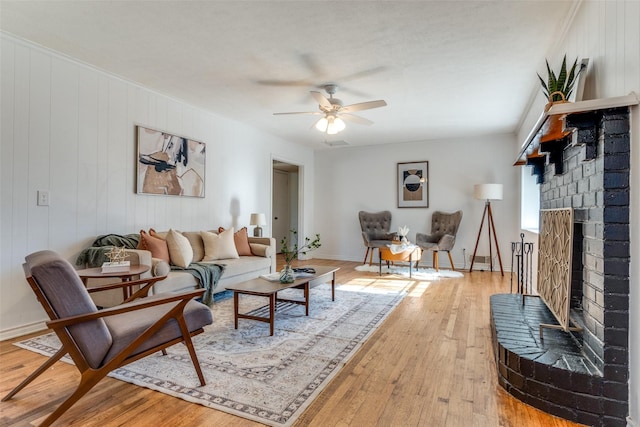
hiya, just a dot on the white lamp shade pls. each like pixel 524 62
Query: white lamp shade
pixel 487 191
pixel 258 219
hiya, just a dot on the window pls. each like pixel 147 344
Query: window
pixel 529 201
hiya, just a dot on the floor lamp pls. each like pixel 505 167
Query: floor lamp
pixel 488 192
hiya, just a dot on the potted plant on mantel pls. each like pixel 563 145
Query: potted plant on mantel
pixel 557 89
pixel 286 275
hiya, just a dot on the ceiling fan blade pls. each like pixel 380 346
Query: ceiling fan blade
pixel 355 119
pixel 363 106
pixel 285 83
pixel 299 112
pixel 363 73
pixel 322 100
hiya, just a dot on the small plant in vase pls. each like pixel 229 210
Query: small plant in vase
pixel 289 254
pixel 558 88
pixel 402 234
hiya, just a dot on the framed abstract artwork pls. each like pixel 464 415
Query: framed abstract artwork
pixel 413 185
pixel 169 164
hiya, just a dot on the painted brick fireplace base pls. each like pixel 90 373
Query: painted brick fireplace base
pixel 553 375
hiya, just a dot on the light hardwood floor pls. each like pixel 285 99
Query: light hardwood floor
pixel 430 364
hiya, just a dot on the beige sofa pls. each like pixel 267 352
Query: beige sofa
pixel 263 261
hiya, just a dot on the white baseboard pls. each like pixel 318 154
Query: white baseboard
pixel 19 331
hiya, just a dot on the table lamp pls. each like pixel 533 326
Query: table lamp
pixel 258 219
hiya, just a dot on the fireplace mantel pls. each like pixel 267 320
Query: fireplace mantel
pixel 532 142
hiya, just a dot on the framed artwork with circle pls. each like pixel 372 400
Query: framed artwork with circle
pixel 413 185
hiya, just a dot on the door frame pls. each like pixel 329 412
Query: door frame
pixel 300 207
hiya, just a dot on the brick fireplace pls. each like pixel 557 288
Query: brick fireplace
pixel 581 376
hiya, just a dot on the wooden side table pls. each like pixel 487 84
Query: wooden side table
pixel 412 253
pixel 125 276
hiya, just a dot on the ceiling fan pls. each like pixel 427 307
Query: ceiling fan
pixel 333 111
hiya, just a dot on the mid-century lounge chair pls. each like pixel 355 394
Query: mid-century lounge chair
pixel 444 227
pixel 375 231
pixel 100 341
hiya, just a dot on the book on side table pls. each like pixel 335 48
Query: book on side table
pixel 115 267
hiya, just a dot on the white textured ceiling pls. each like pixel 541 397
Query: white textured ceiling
pixel 446 68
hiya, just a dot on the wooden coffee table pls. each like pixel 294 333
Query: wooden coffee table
pixel 265 288
pixel 411 254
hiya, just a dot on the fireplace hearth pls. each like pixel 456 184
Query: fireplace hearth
pixel 580 376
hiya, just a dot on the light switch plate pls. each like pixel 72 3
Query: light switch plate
pixel 43 198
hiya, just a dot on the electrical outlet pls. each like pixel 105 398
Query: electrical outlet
pixel 43 198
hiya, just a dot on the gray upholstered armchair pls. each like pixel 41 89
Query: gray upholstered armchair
pixel 444 227
pixel 375 231
pixel 99 341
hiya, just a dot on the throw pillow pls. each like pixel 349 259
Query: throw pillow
pixel 241 239
pixel 219 246
pixel 155 245
pixel 180 250
pixel 195 240
pixel 159 234
pixel 161 268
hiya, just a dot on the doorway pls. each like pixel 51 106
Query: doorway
pixel 285 200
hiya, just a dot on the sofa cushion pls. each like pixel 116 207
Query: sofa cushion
pixel 128 326
pixel 195 240
pixel 258 249
pixel 155 245
pixel 245 264
pixel 241 239
pixel 180 250
pixel 219 246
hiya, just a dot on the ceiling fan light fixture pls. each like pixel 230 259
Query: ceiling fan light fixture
pixel 338 125
pixel 330 124
pixel 322 124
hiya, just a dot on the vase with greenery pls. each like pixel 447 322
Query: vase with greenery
pixel 558 87
pixel 289 254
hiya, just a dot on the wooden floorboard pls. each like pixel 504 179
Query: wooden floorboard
pixel 429 364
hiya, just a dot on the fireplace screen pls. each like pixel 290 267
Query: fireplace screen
pixel 554 262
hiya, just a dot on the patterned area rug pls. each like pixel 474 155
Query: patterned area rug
pixel 250 374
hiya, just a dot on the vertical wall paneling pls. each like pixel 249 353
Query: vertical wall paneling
pixel 131 161
pixel 39 130
pixel 20 158
pixel 7 87
pixel 88 125
pixel 117 156
pixel 101 156
pixel 63 153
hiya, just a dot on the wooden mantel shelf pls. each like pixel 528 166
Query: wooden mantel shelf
pixel 532 141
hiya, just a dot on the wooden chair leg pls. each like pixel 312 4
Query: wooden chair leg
pixel 87 381
pixel 192 351
pixel 365 256
pixel 435 260
pixel 371 255
pixel 46 365
pixel 451 260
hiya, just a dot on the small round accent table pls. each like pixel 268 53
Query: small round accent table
pixel 410 254
pixel 125 276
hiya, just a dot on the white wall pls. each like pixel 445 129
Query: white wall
pixel 351 179
pixel 608 33
pixel 69 129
